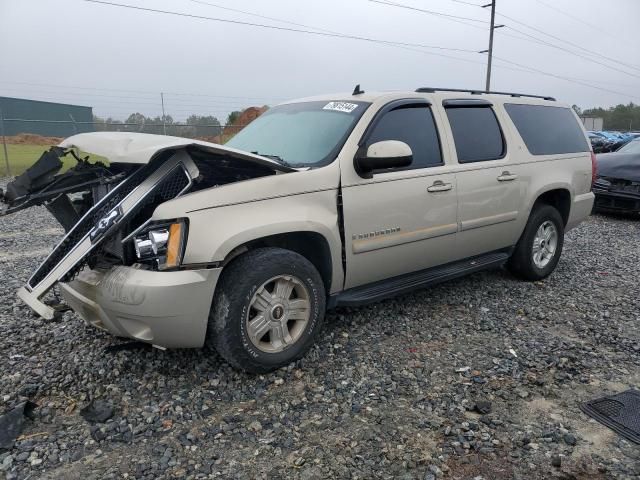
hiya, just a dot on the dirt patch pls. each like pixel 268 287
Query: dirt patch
pixel 32 139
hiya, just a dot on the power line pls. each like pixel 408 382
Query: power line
pixel 579 20
pixel 536 39
pixel 141 92
pixel 123 98
pixel 569 43
pixel 274 27
pixel 466 3
pixel 542 72
pixel 559 47
pixel 430 12
pixel 257 15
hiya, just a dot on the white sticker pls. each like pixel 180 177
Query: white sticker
pixel 341 106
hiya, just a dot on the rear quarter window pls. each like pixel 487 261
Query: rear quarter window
pixel 547 130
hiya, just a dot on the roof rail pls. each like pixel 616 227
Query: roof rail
pixel 480 92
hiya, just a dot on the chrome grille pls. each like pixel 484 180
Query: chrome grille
pixel 174 182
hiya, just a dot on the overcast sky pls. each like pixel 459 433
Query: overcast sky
pixel 122 58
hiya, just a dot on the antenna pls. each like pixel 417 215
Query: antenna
pixel 357 91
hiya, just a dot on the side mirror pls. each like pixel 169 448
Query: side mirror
pixel 384 154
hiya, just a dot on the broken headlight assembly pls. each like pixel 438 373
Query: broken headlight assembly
pixel 161 244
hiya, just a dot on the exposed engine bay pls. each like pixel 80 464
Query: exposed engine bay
pixel 105 209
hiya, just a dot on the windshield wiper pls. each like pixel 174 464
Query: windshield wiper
pixel 278 159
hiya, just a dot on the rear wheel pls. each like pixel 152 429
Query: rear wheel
pixel 538 250
pixel 267 310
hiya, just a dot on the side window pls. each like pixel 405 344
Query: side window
pixel 413 125
pixel 476 133
pixel 547 130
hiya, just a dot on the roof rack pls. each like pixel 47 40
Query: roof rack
pixel 480 92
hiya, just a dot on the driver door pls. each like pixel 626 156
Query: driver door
pixel 400 220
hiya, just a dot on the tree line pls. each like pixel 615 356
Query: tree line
pixel 619 118
pixel 193 126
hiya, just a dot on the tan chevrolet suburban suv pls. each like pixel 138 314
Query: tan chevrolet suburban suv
pixel 320 202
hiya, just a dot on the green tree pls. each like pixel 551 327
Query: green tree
pixel 233 116
pixel 620 118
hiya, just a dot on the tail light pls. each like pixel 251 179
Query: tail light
pixel 594 168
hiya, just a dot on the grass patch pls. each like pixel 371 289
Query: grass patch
pixel 22 157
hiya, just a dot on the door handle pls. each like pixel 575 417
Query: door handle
pixel 439 186
pixel 507 177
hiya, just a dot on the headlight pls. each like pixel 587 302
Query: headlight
pixel 161 244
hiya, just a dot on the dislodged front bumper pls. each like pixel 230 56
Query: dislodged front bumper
pixel 168 309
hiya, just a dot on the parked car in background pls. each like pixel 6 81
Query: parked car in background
pixel 598 143
pixel 320 202
pixel 617 187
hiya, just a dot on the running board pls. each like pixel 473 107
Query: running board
pixel 406 283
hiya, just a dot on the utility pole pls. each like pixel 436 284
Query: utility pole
pixel 164 124
pixel 489 52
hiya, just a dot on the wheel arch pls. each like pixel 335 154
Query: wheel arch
pixel 310 244
pixel 559 198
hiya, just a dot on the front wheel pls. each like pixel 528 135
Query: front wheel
pixel 267 310
pixel 538 250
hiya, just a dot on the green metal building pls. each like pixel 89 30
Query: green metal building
pixel 48 119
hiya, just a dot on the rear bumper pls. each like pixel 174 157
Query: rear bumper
pixel 617 201
pixel 580 209
pixel 168 309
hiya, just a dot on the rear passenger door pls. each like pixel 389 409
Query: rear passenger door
pixel 489 186
pixel 399 220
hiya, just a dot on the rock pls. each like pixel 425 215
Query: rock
pixel 435 470
pixel 570 439
pixel 556 461
pixel 255 426
pixel 483 407
pixel 7 462
pixel 388 403
pixel 97 411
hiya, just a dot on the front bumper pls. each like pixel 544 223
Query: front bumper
pixel 617 201
pixel 168 309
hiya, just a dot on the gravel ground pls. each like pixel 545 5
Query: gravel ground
pixel 476 378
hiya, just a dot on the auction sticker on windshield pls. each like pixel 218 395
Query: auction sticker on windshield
pixel 341 106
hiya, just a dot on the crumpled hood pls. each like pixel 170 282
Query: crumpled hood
pixel 625 166
pixel 126 147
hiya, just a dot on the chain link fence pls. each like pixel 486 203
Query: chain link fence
pixel 22 150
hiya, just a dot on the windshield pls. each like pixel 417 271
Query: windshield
pixel 631 147
pixel 308 134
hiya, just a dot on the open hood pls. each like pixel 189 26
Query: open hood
pixel 124 152
pixel 140 148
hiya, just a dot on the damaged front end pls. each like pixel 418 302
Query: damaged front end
pixel 106 209
pixel 617 188
pixel 42 184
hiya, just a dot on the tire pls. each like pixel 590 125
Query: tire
pixel 522 262
pixel 247 320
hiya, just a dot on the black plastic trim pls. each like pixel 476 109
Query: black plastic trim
pixel 481 92
pixel 391 287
